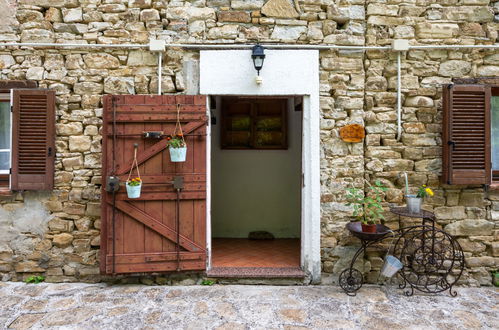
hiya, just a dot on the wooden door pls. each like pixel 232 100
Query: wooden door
pixel 143 235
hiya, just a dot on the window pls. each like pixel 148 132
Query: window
pixel 252 123
pixel 470 134
pixel 27 141
pixel 5 134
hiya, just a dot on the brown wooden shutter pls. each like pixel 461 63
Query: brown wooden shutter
pixel 466 134
pixel 33 139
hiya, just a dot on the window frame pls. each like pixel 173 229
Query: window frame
pixel 494 91
pixel 4 97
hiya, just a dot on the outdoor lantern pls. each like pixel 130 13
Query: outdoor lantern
pixel 258 56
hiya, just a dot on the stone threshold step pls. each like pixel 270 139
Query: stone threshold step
pixel 255 272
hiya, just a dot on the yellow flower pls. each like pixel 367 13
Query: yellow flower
pixel 429 191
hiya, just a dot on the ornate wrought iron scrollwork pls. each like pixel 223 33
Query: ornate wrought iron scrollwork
pixel 433 260
pixel 351 280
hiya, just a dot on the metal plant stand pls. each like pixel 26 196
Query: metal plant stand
pixel 433 260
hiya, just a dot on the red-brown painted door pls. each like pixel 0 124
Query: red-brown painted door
pixel 143 235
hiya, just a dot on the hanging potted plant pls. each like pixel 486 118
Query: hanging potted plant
pixel 176 141
pixel 134 186
pixel 367 206
pixel 177 147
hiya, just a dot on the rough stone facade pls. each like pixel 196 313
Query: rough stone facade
pixel 58 234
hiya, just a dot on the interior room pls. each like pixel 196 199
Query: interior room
pixel 256 181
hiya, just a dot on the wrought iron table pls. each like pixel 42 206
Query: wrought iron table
pixel 433 260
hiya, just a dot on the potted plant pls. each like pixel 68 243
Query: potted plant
pixel 133 187
pixel 367 206
pixel 414 201
pixel 177 147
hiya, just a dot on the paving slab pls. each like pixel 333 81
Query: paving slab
pixel 103 306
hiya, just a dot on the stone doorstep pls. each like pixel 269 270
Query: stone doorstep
pixel 256 272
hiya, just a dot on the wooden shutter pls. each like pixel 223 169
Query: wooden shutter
pixel 33 139
pixel 466 134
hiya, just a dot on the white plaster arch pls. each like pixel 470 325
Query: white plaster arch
pixel 285 72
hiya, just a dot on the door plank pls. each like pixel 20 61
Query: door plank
pixel 157 226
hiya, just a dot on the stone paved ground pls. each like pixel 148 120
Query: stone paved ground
pixel 100 306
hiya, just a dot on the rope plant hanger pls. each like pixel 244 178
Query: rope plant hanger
pixel 176 142
pixel 134 185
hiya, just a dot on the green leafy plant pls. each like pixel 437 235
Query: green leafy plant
pixel 367 206
pixel 424 191
pixel 495 278
pixel 175 141
pixel 207 282
pixel 35 279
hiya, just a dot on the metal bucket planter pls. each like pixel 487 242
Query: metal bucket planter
pixel 413 203
pixel 391 266
pixel 133 191
pixel 178 154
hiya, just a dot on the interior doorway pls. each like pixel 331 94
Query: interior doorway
pixel 256 181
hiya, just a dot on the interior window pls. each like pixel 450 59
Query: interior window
pixel 494 108
pixel 4 135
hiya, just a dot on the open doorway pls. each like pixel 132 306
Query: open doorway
pixel 256 180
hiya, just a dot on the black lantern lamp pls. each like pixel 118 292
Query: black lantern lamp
pixel 258 56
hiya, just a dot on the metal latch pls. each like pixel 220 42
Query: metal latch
pixel 153 135
pixel 178 182
pixel 112 183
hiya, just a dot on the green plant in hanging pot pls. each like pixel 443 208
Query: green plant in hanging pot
pixel 367 206
pixel 134 185
pixel 177 147
pixel 176 141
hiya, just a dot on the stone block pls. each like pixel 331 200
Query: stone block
pixel 432 30
pixel 61 225
pixel 234 16
pixel 288 33
pixel 139 4
pixel 454 68
pixel 142 58
pixel 79 143
pixel 488 70
pixel 93 209
pixel 72 15
pixel 279 8
pixel 119 85
pixel 88 87
pixel 470 198
pixel 101 61
pixel 62 240
pixel 148 15
pixel 465 227
pixel 485 261
pixel 480 14
pixel 419 101
pixel 28 266
pixel 450 213
pixel 247 4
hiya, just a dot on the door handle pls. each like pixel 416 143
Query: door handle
pixel 453 144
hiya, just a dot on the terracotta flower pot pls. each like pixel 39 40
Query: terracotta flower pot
pixel 368 228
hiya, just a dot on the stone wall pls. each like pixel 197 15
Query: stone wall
pixel 356 87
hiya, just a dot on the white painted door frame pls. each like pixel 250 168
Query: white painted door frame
pixel 286 72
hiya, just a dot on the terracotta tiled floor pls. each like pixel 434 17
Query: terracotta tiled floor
pixel 241 252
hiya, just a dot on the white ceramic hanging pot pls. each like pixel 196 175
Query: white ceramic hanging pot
pixel 178 154
pixel 133 191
